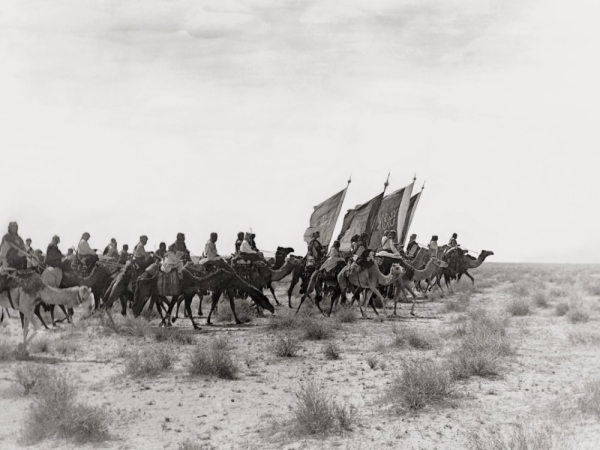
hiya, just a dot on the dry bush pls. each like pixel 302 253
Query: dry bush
pixel 244 310
pixel 561 309
pixel 584 338
pixel 593 289
pixel 372 361
pixel 150 362
pixel 589 403
pixel 524 435
pixel 539 298
pixel 332 351
pixel 65 347
pixel 458 304
pixel 41 345
pixel 345 315
pixel 421 382
pixel 56 413
pixel 189 444
pixel 557 292
pixel 134 326
pixel 316 330
pixel 289 322
pixel 285 345
pixel 316 412
pixel 412 337
pixel 214 361
pixel 519 290
pixel 577 315
pixel 30 375
pixel 518 306
pixel 173 336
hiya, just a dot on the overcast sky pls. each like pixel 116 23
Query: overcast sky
pixel 129 117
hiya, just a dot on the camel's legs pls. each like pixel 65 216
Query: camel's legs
pixel 378 294
pixel 469 275
pixel 39 315
pixel 270 286
pixel 188 308
pixel 200 298
pixel 232 306
pixel 215 298
pixel 295 279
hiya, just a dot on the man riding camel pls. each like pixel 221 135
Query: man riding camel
pixel 54 257
pixel 141 257
pixel 210 249
pixel 246 250
pixel 171 261
pixel 13 253
pixel 389 246
pixel 111 249
pixel 179 245
pixel 333 257
pixel 238 242
pixel 412 247
pixel 85 253
pixel 315 248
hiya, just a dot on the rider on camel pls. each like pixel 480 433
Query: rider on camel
pixel 181 248
pixel 238 242
pixel 85 253
pixel 389 246
pixel 412 247
pixel 315 248
pixel 13 252
pixel 246 250
pixel 333 257
pixel 141 257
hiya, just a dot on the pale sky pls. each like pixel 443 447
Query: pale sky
pixel 123 117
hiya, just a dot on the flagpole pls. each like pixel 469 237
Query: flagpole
pixel 339 208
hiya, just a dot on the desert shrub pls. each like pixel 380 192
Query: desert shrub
pixel 245 312
pixel 561 309
pixel 41 345
pixel 65 347
pixel 134 326
pixel 524 435
pixel 220 343
pixel 589 402
pixel 584 338
pixel 172 336
pixel 556 292
pixel 285 345
pixel 482 319
pixel 56 413
pixel 455 305
pixel 29 375
pixel 316 412
pixel 345 315
pixel 332 351
pixel 212 361
pixel 6 352
pixel 421 382
pixel 577 315
pixel 316 330
pixel 372 361
pixel 189 444
pixel 519 290
pixel 412 337
pixel 289 322
pixel 518 306
pixel 539 299
pixel 150 362
pixel 593 289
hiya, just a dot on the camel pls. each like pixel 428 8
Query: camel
pixel 459 264
pixel 318 282
pixel 217 282
pixel 432 266
pixel 368 279
pixel 27 293
pixel 301 273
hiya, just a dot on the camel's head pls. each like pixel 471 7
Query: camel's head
pixel 439 263
pixel 486 253
pixel 397 269
pixel 293 261
pixel 85 299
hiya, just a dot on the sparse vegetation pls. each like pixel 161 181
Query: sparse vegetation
pixel 244 310
pixel 150 362
pixel 30 375
pixel 539 299
pixel 285 345
pixel 519 306
pixel 561 309
pixel 524 435
pixel 316 330
pixel 589 402
pixel 412 337
pixel 345 315
pixel 41 345
pixel 421 382
pixel 6 351
pixel 577 315
pixel 332 351
pixel 584 338
pixel 372 361
pixel 289 322
pixel 57 413
pixel 213 361
pixel 173 336
pixel 316 412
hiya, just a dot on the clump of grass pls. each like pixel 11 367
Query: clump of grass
pixel 135 326
pixel 524 435
pixel 372 361
pixel 455 305
pixel 245 312
pixel 189 444
pixel 212 361
pixel 589 402
pixel 556 292
pixel 289 322
pixel 41 345
pixel 345 315
pixel 332 351
pixel 518 306
pixel 561 309
pixel 65 347
pixel 316 330
pixel 584 338
pixel 316 412
pixel 412 337
pixel 593 289
pixel 149 362
pixel 220 343
pixel 29 375
pixel 421 382
pixel 577 315
pixel 173 336
pixel 285 345
pixel 56 413
pixel 519 290
pixel 539 299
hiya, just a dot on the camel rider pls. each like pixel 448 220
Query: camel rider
pixel 453 243
pixel 85 253
pixel 384 238
pixel 238 242
pixel 171 261
pixel 315 248
pixel 13 253
pixel 362 251
pixel 141 257
pixel 28 247
pixel 162 250
pixel 333 257
pixel 111 249
pixel 210 249
pixel 54 257
pixel 124 255
pixel 70 255
pixel 182 251
pixel 433 246
pixel 389 245
pixel 253 242
pixel 412 248
pixel 246 250
pixel 354 243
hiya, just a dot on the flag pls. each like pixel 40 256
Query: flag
pixel 359 220
pixel 412 207
pixel 391 215
pixel 324 218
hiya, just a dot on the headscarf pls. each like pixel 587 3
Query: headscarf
pixel 13 238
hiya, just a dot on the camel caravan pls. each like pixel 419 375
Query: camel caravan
pixel 367 261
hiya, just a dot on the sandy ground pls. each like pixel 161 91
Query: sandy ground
pixel 547 375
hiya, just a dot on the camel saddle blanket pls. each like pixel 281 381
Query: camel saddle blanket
pixel 52 276
pixel 168 283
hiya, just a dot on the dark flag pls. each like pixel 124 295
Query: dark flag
pixel 324 218
pixel 359 220
pixel 391 215
pixel 412 207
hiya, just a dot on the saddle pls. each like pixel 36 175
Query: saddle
pixel 167 284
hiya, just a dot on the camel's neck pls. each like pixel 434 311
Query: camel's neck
pixel 281 273
pixel 53 296
pixel 473 264
pixel 385 280
pixel 429 270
